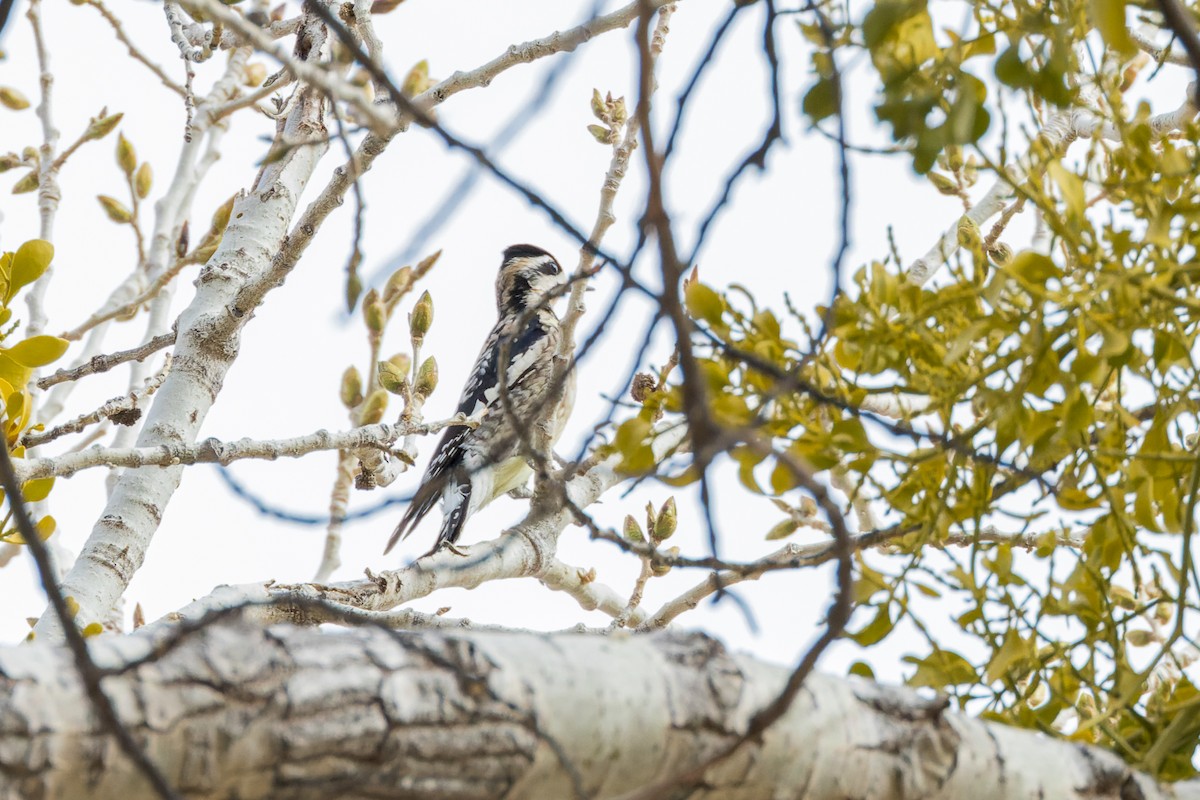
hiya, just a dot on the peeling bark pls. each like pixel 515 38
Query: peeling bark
pixel 243 711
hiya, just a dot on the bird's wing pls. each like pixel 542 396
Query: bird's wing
pixel 482 393
pixel 480 397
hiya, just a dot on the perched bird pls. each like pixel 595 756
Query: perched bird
pixel 473 466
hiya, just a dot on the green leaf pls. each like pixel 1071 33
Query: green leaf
pixel 942 668
pixel 863 670
pixel 37 490
pixel 1014 653
pixel 1109 18
pixel 38 351
pixel 704 303
pixel 29 262
pixel 1071 187
pixel 820 101
pixel 782 530
pixel 876 629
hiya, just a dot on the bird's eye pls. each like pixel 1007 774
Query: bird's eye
pixel 552 268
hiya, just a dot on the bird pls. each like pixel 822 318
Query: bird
pixel 473 466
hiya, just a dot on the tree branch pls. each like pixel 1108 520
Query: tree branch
pixel 287 713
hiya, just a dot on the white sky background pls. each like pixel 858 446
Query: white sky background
pixel 777 236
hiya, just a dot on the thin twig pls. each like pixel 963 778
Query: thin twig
pixel 134 52
pixel 100 364
pixel 213 451
pixel 123 410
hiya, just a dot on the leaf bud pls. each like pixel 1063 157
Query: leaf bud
pixel 667 522
pixel 1139 637
pixel 353 290
pixel 600 133
pixel 351 391
pixel 650 520
pixel 421 318
pixel 632 531
pixel 26 184
pixel 8 161
pixel 374 314
pixel 373 408
pixel 101 126
pixel 968 232
pixel 1122 598
pixel 954 157
pixel 942 183
pixel 220 217
pixel 11 98
pixel 426 263
pixel 782 530
pixel 254 74
pixel 402 362
pixel 427 378
pixel 619 114
pixel 126 155
pixel 808 508
pixel 143 180
pixel 397 285
pixel 1001 254
pixel 391 378
pixel 116 211
pixel 417 80
pixel 598 108
pixel 660 569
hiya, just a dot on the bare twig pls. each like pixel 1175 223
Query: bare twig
pixel 123 410
pixel 100 364
pixel 212 451
pixel 134 52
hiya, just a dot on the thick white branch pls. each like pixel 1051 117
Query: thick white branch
pixel 527 550
pixel 203 354
pixel 241 710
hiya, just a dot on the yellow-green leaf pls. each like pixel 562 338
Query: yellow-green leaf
pixel 704 303
pixel 876 629
pixel 38 351
pixel 29 262
pixel 1109 18
pixel 11 98
pixel 36 490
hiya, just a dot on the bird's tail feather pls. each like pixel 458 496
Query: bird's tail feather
pixel 456 517
pixel 422 504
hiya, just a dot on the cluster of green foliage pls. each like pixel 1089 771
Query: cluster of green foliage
pixel 17 362
pixel 1037 461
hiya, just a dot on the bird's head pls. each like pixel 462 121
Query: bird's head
pixel 527 275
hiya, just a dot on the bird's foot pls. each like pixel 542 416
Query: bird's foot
pixel 453 548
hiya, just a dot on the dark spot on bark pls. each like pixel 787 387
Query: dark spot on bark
pixel 126 417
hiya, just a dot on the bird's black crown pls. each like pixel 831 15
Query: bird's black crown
pixel 523 251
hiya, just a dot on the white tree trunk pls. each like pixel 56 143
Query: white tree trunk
pixel 206 346
pixel 242 711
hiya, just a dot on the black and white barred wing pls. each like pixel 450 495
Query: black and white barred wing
pixel 480 400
